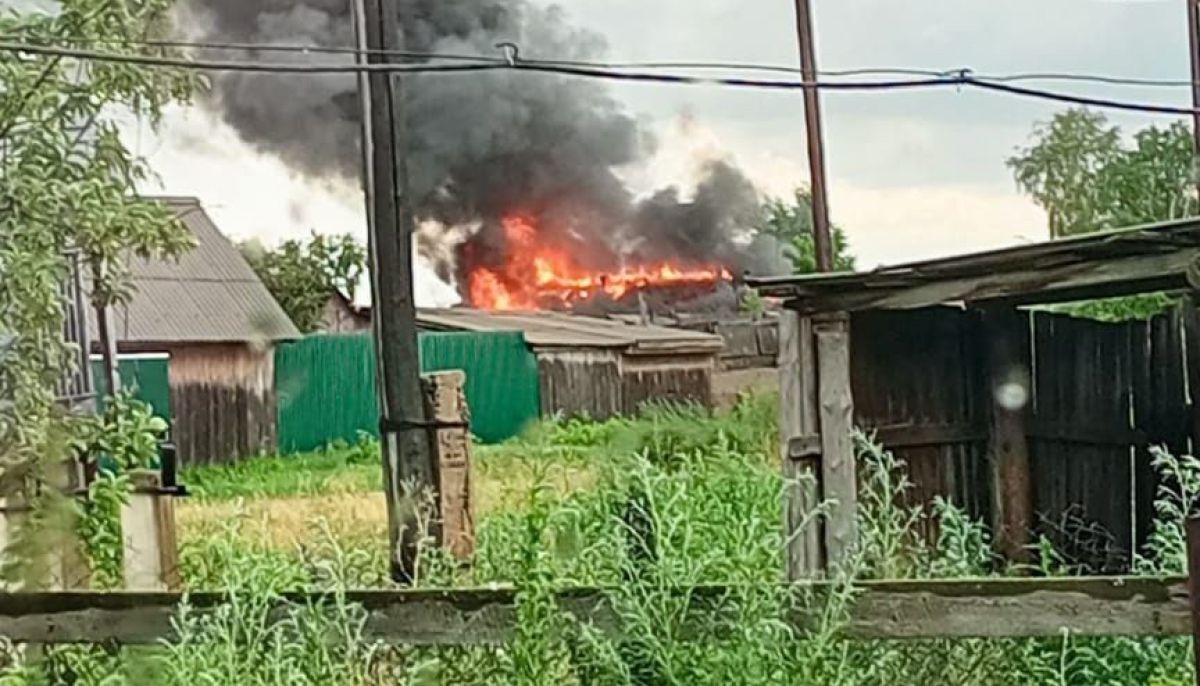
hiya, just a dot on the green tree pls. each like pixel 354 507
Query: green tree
pixel 790 223
pixel 1087 178
pixel 303 276
pixel 67 182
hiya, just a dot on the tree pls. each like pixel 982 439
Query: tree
pixel 303 276
pixel 67 182
pixel 1086 178
pixel 790 223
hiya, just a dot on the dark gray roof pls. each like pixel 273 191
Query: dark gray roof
pixel 1157 257
pixel 210 295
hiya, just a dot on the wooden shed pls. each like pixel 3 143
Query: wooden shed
pixel 218 324
pixel 599 367
pixel 1032 420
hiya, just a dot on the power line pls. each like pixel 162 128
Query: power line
pixel 960 78
pixel 305 49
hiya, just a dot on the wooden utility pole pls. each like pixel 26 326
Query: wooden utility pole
pixel 1193 8
pixel 410 472
pixel 822 239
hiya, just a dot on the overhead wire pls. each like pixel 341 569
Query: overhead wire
pixel 955 78
pixel 302 48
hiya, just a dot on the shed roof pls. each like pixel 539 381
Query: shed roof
pixel 562 330
pixel 1157 257
pixel 210 295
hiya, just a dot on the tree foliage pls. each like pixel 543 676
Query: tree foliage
pixel 1081 170
pixel 68 182
pixel 303 276
pixel 790 223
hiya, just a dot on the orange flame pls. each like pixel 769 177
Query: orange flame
pixel 534 276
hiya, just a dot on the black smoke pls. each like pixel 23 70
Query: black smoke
pixel 483 145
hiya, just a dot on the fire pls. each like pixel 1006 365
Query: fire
pixel 535 276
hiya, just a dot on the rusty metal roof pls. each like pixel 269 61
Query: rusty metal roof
pixel 1157 257
pixel 546 330
pixel 210 295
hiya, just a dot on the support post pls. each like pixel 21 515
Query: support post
pixel 409 467
pixel 1191 332
pixel 1005 333
pixel 447 400
pixel 800 444
pixel 1193 15
pixel 839 474
pixel 1193 556
pixel 150 550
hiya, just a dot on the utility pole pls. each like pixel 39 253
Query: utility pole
pixel 822 241
pixel 409 470
pixel 1193 8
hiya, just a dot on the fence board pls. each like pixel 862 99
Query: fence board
pixel 991 608
pixel 918 380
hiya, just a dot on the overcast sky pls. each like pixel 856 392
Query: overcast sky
pixel 913 174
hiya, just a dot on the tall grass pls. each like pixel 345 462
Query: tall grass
pixel 680 498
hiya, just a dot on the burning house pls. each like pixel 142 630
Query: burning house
pixel 514 176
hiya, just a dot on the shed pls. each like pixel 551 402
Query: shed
pixel 218 323
pixel 598 367
pixel 1034 421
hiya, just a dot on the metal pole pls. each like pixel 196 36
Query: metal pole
pixel 1193 553
pixel 409 467
pixel 822 241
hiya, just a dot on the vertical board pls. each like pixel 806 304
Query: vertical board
pixel 677 379
pixel 1085 433
pixel 577 383
pixel 326 385
pixel 918 381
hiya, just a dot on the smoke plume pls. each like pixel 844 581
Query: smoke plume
pixel 482 146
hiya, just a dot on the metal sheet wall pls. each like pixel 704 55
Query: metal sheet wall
pixel 326 385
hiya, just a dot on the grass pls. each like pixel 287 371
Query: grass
pixel 676 498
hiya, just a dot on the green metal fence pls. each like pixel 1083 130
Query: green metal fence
pixel 326 385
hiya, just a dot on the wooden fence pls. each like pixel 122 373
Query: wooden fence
pixel 1101 395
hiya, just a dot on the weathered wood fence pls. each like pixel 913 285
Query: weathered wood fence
pixel 993 608
pixel 1099 396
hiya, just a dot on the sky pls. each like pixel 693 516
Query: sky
pixel 912 174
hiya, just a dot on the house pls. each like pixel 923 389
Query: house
pixel 599 367
pixel 219 324
pixel 343 316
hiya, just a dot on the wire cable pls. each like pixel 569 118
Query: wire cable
pixel 960 78
pixel 306 49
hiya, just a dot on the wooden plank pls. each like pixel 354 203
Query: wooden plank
pixel 956 609
pixel 919 435
pixel 1086 434
pixel 798 426
pixel 839 476
pixel 1010 381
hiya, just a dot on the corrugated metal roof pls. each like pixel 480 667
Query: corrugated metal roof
pixel 210 295
pixel 563 330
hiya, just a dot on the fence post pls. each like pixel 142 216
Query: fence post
pixel 446 405
pixel 1010 386
pixel 800 444
pixel 150 550
pixel 839 473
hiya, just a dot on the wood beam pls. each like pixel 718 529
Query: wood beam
pixel 839 475
pixel 801 445
pixel 955 609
